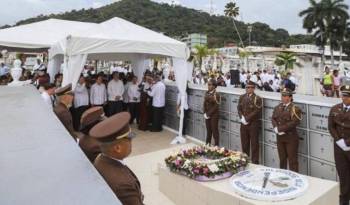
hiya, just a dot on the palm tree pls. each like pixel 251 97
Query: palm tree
pixel 201 51
pixel 325 19
pixel 286 59
pixel 232 11
pixel 343 35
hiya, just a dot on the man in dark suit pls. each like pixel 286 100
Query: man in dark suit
pixel 339 127
pixel 285 119
pixel 115 136
pixel 249 110
pixel 65 99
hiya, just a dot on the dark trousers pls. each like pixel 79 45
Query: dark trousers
pixel 287 146
pixel 342 163
pixel 114 107
pixel 125 106
pixel 250 139
pixel 157 119
pixel 184 124
pixel 134 111
pixel 77 113
pixel 212 130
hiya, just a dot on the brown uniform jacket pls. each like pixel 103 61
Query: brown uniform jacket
pixel 211 104
pixel 90 146
pixel 250 107
pixel 65 117
pixel 339 123
pixel 286 119
pixel 120 179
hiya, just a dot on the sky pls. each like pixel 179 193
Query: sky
pixel 276 13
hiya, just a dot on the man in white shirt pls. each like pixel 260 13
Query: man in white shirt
pixel 3 70
pixel 47 94
pixel 264 77
pixel 115 91
pixel 134 100
pixel 98 93
pixel 3 73
pixel 158 93
pixel 113 68
pixel 81 102
pixel 243 78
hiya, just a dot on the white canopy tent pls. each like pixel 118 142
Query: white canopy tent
pixel 111 40
pixel 115 39
pixel 41 34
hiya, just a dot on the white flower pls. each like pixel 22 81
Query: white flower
pixel 186 163
pixel 213 168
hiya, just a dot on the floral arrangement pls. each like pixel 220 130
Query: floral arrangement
pixel 205 163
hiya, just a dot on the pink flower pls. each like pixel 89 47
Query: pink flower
pixel 205 171
pixel 177 162
pixel 196 170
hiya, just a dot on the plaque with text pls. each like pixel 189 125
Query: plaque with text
pixel 318 118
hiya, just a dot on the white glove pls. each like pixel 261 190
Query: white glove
pixel 278 133
pixel 243 121
pixel 341 143
pixel 206 116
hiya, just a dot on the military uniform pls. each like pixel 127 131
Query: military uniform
pixel 211 110
pixel 118 176
pixel 250 106
pixel 89 145
pixel 285 119
pixel 339 128
pixel 65 116
pixel 63 113
pixel 121 179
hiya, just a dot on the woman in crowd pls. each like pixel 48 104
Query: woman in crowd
pixel 211 112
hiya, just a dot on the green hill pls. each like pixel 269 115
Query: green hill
pixel 178 21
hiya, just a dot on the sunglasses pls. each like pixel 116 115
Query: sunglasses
pixel 250 87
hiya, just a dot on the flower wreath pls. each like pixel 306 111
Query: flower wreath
pixel 205 163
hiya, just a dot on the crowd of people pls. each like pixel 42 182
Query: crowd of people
pixel 266 80
pixel 120 98
pixel 330 82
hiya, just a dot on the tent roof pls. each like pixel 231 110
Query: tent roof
pixel 120 36
pixel 118 28
pixel 41 34
pixel 72 37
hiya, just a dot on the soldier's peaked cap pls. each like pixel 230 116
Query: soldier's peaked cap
pixel 113 128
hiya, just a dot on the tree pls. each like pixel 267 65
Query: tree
pixel 178 21
pixel 326 19
pixel 286 59
pixel 200 52
pixel 232 11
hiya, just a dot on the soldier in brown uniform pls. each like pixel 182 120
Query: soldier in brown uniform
pixel 211 112
pixel 339 127
pixel 89 145
pixel 115 135
pixel 285 118
pixel 249 110
pixel 65 99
